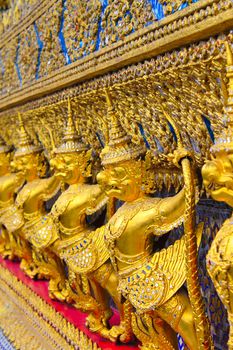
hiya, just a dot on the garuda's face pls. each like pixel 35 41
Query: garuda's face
pixel 119 182
pixel 218 178
pixel 65 166
pixel 26 164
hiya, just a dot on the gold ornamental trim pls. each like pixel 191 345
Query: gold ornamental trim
pixel 195 72
pixel 30 323
pixel 194 55
pixel 38 10
pixel 196 22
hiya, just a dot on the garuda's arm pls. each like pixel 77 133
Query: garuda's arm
pixel 97 200
pixel 167 214
pixel 51 187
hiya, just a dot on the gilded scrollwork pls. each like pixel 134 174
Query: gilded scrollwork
pixel 49 26
pixel 170 6
pixel 28 54
pixel 121 18
pixel 193 92
pixel 10 76
pixel 98 32
pixel 14 13
pixel 81 25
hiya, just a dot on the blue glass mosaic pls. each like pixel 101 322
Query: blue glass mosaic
pixel 5 343
pixel 61 36
pixel 17 62
pixel 40 47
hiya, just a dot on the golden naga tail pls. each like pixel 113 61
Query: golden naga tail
pixel 201 321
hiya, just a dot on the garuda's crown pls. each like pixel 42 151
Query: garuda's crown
pixel 25 145
pixel 120 147
pixel 4 148
pixel 225 141
pixel 72 141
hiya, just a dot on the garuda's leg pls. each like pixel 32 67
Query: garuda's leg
pixel 177 312
pixel 51 267
pixel 23 250
pixel 106 277
pixel 97 320
pixel 5 248
pixel 153 332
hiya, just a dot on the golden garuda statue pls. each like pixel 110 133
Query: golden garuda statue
pixel 7 190
pixel 29 164
pixel 31 201
pixel 151 281
pixel 218 179
pixel 86 265
pixel 65 232
pixel 25 160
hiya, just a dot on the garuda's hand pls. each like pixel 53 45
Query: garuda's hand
pixel 179 154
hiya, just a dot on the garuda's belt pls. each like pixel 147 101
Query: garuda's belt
pixel 157 280
pixel 41 232
pixel 84 254
pixel 12 218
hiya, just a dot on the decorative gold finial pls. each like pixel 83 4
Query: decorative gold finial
pixel 120 147
pixel 72 141
pixel 225 141
pixel 70 130
pixel 23 136
pixel 4 148
pixel 25 145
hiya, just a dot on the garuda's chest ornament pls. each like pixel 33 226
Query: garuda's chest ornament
pixel 81 247
pixel 40 191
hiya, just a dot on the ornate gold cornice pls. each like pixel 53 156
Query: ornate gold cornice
pixel 187 80
pixel 203 52
pixel 29 322
pixel 198 21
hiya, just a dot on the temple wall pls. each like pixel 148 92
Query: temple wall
pixel 149 53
